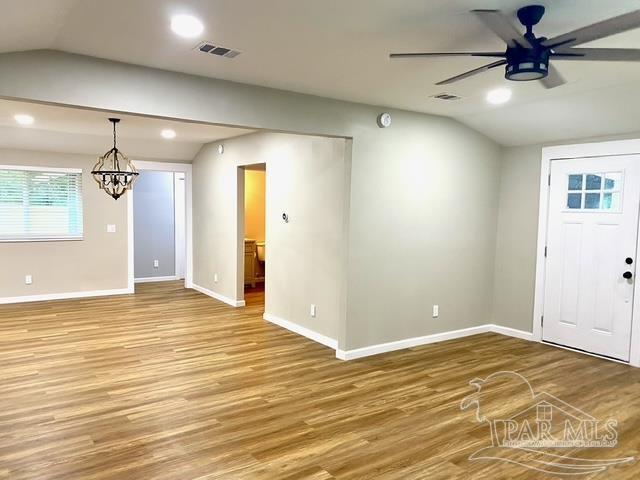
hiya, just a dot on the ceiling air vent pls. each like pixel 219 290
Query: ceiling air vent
pixel 218 50
pixel 446 96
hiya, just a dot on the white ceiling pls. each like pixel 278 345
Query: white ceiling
pixel 71 130
pixel 339 49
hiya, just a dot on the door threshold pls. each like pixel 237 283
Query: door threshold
pixel 586 352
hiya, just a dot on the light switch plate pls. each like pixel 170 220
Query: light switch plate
pixel 111 228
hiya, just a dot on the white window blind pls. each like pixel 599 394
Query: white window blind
pixel 38 203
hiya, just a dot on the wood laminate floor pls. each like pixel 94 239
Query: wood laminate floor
pixel 170 384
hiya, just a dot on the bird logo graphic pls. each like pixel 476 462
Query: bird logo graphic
pixel 537 430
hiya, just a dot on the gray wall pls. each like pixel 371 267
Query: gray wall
pixel 154 224
pixel 515 264
pixel 424 199
pixel 98 262
pixel 307 177
pixel 408 247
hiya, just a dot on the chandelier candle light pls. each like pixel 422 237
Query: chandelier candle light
pixel 114 172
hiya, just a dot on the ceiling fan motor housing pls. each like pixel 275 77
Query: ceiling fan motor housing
pixel 527 64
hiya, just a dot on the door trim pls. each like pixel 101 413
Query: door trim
pixel 563 152
pixel 185 168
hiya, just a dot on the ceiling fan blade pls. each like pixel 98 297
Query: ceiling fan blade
pixel 599 54
pixel 614 25
pixel 554 79
pixel 470 73
pixel 502 27
pixel 448 54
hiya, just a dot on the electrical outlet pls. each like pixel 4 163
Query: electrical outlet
pixel 436 311
pixel 111 228
pixel 215 278
pixel 312 310
pixel 156 264
pixel 28 279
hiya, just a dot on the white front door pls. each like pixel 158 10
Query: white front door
pixel 591 254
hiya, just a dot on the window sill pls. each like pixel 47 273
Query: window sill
pixel 41 239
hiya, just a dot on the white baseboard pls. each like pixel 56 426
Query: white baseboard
pixel 156 279
pixel 427 339
pixel 409 342
pixel 511 332
pixel 64 296
pixel 217 296
pixel 300 330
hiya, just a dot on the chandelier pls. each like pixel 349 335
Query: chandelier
pixel 114 172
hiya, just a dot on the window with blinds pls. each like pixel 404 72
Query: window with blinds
pixel 38 203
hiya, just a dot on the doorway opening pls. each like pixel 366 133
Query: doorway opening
pixel 252 226
pixel 159 226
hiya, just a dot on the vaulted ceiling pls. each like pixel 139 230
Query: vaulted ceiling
pixel 339 49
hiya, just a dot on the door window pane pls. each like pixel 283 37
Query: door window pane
pixel 593 182
pixel 592 200
pixel 611 201
pixel 575 182
pixel 574 200
pixel 613 181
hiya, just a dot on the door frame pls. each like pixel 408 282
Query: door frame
pixel 185 168
pixel 577 151
pixel 240 233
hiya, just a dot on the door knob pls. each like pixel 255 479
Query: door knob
pixel 627 275
pixel 629 260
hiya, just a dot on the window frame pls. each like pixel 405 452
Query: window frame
pixel 583 191
pixel 51 238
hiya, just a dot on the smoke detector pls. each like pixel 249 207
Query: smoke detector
pixel 211 48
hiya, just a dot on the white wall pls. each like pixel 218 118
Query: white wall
pixel 307 178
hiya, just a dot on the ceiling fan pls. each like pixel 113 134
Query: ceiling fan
pixel 528 57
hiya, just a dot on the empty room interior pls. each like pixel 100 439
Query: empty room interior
pixel 319 240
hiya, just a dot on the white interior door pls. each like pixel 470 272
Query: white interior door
pixel 591 249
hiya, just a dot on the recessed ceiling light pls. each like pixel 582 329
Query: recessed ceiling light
pixel 186 26
pixel 23 119
pixel 499 96
pixel 168 134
